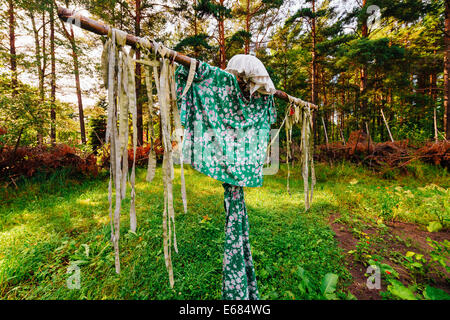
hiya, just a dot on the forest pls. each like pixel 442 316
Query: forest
pixel 378 72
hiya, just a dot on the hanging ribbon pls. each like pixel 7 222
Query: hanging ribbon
pixel 299 111
pixel 190 78
pixel 119 78
pixel 151 168
pixel 163 72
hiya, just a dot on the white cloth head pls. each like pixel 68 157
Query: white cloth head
pixel 251 69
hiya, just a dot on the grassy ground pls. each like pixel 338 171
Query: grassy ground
pixel 47 225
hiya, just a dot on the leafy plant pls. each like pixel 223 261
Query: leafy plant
pixel 397 289
pixel 304 284
pixel 440 253
pixel 388 201
pixel 434 226
pixel 416 264
pixel 438 207
pixel 386 271
pixel 431 293
pixel 328 287
pixel 362 249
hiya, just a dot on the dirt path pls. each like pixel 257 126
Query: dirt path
pixel 347 242
pixel 413 239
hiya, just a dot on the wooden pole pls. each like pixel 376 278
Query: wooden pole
pixel 103 30
pixel 436 138
pixel 387 125
pixel 325 130
pixel 368 140
pixel 342 136
pixel 447 71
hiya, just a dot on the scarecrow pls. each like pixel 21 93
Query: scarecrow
pixel 226 115
pixel 227 128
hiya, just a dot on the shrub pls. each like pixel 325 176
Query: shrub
pixel 26 161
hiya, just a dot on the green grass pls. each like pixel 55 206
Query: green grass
pixel 48 224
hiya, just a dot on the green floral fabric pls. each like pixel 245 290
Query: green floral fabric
pixel 226 135
pixel 226 138
pixel 239 280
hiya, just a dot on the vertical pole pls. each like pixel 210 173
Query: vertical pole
pixel 387 125
pixel 325 130
pixel 138 77
pixel 447 71
pixel 370 139
pixel 53 76
pixel 436 139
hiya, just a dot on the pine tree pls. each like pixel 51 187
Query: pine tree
pixel 220 12
pixel 310 16
pixel 195 43
pixel 447 71
pixel 138 17
pixel 12 43
pixel 53 75
pixel 76 70
pixel 255 18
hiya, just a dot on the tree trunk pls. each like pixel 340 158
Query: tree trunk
pixel 140 127
pixel 325 103
pixel 285 65
pixel 44 55
pixel 222 56
pixel 53 77
pixel 446 71
pixel 314 67
pixel 78 86
pixel 44 67
pixel 71 37
pixel 247 28
pixel 196 50
pixel 363 70
pixel 39 52
pixel 12 46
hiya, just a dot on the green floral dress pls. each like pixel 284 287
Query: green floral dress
pixel 226 135
pixel 239 280
pixel 226 138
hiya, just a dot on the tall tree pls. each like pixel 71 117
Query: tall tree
pixel 220 12
pixel 310 15
pixel 140 128
pixel 422 25
pixel 256 17
pixel 76 70
pixel 447 71
pixel 12 44
pixel 363 71
pixel 194 41
pixel 53 75
pixel 35 9
pixel 139 17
